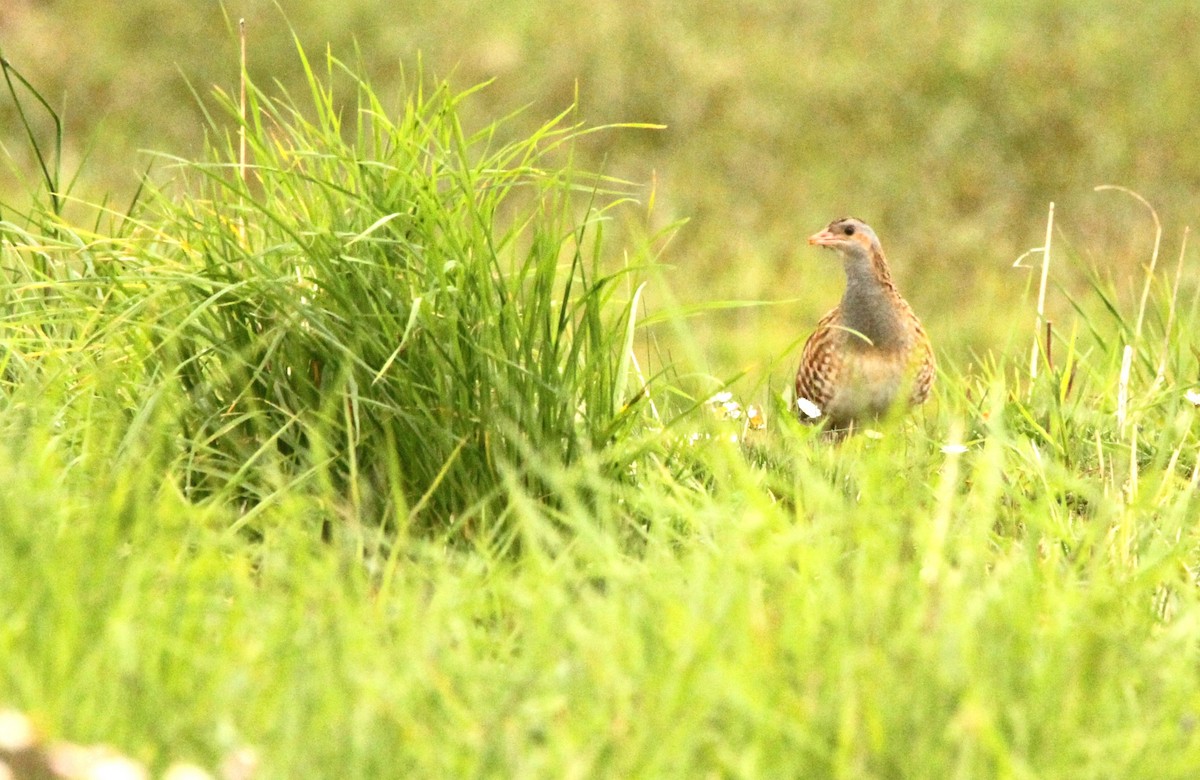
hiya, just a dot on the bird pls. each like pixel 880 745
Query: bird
pixel 870 353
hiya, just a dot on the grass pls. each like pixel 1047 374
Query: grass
pixel 344 457
pixel 948 129
pixel 410 303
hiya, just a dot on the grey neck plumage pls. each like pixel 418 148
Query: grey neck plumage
pixel 868 306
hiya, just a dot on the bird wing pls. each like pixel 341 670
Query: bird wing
pixel 926 367
pixel 817 376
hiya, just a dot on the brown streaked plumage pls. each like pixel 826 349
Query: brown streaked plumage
pixel 870 351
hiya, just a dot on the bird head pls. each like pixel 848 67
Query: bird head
pixel 848 236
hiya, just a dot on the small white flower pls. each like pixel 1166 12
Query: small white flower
pixel 186 772
pixel 724 407
pixel 241 764
pixel 119 768
pixel 808 408
pixel 98 762
pixel 16 732
pixel 954 449
pixel 1193 397
pixel 871 433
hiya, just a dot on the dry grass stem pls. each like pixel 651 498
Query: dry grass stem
pixel 1123 386
pixel 1041 304
pixel 1137 330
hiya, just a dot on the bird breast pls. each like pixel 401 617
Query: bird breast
pixel 869 383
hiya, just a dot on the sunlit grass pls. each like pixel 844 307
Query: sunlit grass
pixel 345 458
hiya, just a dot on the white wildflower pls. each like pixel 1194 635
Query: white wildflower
pixel 808 408
pixel 186 772
pixel 16 732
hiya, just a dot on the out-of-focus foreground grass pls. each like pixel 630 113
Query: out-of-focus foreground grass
pixel 948 127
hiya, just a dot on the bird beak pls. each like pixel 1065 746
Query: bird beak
pixel 824 238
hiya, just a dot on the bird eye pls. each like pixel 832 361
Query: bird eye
pixel 848 230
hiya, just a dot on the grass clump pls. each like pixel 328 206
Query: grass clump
pixel 379 303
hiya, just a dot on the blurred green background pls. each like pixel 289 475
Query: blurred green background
pixel 948 126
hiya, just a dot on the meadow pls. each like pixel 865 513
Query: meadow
pixel 375 428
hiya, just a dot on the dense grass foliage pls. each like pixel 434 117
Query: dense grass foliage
pixel 384 304
pixel 344 455
pixel 411 303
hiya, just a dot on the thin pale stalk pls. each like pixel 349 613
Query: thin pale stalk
pixel 1137 330
pixel 1160 374
pixel 242 102
pixel 1123 386
pixel 1041 305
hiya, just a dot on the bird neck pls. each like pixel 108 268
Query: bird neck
pixel 869 305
